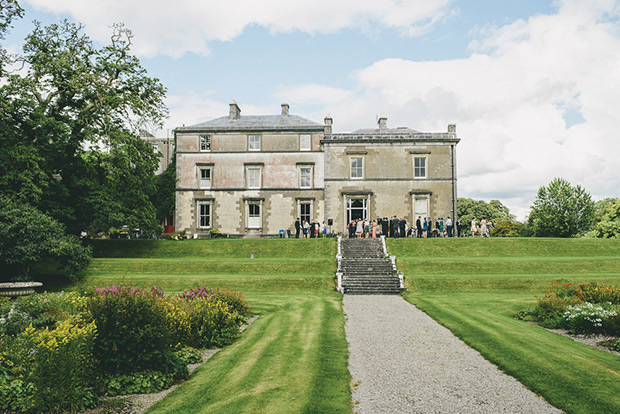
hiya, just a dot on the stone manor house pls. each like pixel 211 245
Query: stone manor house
pixel 248 175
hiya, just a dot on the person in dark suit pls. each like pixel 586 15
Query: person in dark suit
pixel 418 226
pixel 297 227
pixel 384 226
pixel 394 227
pixel 402 227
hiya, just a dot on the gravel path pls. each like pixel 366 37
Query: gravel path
pixel 402 361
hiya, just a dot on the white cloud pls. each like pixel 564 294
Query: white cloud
pixel 509 99
pixel 174 28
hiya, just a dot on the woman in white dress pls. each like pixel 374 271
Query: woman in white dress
pixel 474 227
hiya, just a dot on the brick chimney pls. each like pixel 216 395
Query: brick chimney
pixel 382 122
pixel 285 109
pixel 234 112
pixel 328 125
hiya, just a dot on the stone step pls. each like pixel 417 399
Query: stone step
pixel 365 269
pixel 371 292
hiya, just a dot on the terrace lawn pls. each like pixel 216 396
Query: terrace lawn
pixel 475 286
pixel 293 358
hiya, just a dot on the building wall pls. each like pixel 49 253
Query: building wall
pixel 388 182
pixel 279 195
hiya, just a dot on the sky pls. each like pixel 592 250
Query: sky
pixel 533 86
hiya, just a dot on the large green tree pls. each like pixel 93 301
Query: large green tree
pixel 69 129
pixel 607 218
pixel 561 210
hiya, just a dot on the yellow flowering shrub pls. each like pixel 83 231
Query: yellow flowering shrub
pixel 61 362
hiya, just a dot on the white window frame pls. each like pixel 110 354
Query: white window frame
pixel 423 168
pixel 305 182
pixel 423 198
pixel 204 143
pixel 202 183
pixel 199 214
pixel 305 142
pixel 254 142
pixel 249 171
pixel 359 170
pixel 254 221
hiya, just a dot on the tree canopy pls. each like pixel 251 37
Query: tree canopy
pixel 494 211
pixel 69 129
pixel 561 210
pixel 607 218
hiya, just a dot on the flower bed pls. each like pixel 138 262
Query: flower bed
pixel 59 351
pixel 585 309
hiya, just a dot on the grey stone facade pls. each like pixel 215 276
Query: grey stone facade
pixel 254 175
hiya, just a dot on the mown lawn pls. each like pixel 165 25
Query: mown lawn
pixel 475 286
pixel 292 359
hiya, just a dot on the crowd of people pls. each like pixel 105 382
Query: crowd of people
pixel 396 227
pixel 311 230
pixel 399 227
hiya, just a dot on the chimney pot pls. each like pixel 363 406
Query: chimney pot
pixel 285 109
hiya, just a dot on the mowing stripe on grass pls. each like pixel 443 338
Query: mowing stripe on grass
pixel 572 376
pixel 276 366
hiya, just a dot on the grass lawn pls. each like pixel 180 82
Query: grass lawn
pixel 474 287
pixel 293 359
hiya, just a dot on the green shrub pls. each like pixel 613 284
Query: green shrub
pixel 587 318
pixel 617 345
pixel 210 323
pixel 553 306
pixel 143 382
pixel 14 394
pixel 189 355
pixel 133 333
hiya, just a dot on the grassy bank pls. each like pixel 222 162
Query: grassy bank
pixel 292 359
pixel 474 287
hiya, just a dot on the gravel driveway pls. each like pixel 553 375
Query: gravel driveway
pixel 402 361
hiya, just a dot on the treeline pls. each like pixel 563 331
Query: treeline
pixel 559 210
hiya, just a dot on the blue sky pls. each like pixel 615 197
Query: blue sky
pixel 532 85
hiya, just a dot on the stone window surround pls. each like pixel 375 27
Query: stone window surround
pixel 424 168
pixel 253 166
pixel 200 202
pixel 358 173
pixel 304 200
pixel 246 209
pixel 420 195
pixel 204 166
pixel 350 195
pixel 309 165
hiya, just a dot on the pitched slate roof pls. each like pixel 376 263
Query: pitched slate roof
pixel 256 123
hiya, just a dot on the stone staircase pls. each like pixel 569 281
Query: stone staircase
pixel 365 269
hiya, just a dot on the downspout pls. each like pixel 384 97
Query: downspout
pixel 453 166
